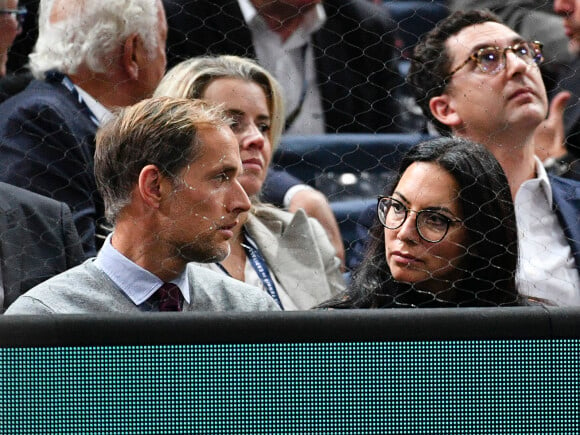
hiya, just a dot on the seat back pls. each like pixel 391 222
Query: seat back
pixel 344 166
pixel 414 19
pixel 350 169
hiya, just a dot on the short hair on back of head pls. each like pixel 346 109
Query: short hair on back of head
pixel 190 79
pixel 89 35
pixel 431 63
pixel 157 131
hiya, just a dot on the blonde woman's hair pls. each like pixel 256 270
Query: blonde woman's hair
pixel 190 79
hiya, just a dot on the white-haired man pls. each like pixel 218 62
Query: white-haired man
pixel 90 56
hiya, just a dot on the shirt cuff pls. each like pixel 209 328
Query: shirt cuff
pixel 293 191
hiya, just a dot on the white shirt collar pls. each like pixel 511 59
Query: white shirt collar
pixel 248 10
pixel 542 180
pixel 100 111
pixel 137 283
pixel 313 19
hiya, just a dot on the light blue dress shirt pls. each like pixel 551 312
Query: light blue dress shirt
pixel 137 283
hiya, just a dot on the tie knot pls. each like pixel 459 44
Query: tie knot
pixel 169 297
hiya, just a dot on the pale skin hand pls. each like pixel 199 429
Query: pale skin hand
pixel 549 137
pixel 316 205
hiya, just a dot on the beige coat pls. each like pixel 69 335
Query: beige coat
pixel 298 253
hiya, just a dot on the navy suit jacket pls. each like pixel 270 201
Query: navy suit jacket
pixel 566 196
pixel 354 55
pixel 569 80
pixel 37 241
pixel 47 146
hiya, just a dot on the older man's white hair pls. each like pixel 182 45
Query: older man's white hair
pixel 87 32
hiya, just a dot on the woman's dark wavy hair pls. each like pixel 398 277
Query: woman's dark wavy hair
pixel 492 245
pixel 430 62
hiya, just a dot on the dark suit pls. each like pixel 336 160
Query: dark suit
pixel 566 196
pixel 12 84
pixel 37 241
pixel 354 53
pixel 275 186
pixel 570 81
pixel 47 146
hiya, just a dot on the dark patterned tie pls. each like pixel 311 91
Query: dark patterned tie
pixel 169 297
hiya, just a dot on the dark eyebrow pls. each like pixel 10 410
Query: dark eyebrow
pixel 229 170
pixel 440 209
pixel 234 112
pixel 238 113
pixel 433 208
pixel 514 41
pixel 402 196
pixel 223 168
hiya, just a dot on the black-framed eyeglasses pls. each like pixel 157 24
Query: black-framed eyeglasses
pixel 19 14
pixel 432 226
pixel 491 60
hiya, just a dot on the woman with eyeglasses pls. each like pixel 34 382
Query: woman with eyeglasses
pixel 445 234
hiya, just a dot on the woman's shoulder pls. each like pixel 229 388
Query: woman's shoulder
pixel 281 221
pixel 267 212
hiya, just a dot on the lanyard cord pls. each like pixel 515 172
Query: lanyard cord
pixel 259 264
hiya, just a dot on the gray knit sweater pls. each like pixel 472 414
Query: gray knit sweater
pixel 87 289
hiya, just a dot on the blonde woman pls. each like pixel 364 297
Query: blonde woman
pixel 286 254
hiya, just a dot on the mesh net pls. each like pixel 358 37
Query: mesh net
pixel 353 115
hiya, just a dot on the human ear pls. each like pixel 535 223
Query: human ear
pixel 150 186
pixel 443 110
pixel 131 55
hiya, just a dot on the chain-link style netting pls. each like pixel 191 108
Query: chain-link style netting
pixel 351 114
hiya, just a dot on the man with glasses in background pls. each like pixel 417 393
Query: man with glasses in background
pixel 475 77
pixel 11 19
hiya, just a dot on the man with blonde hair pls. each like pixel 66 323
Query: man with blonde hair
pixel 167 170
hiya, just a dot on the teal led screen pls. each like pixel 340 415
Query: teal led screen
pixel 416 387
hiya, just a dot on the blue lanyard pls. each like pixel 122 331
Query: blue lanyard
pixel 64 80
pixel 259 264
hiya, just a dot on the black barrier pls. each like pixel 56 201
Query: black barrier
pixel 291 327
pixel 423 371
